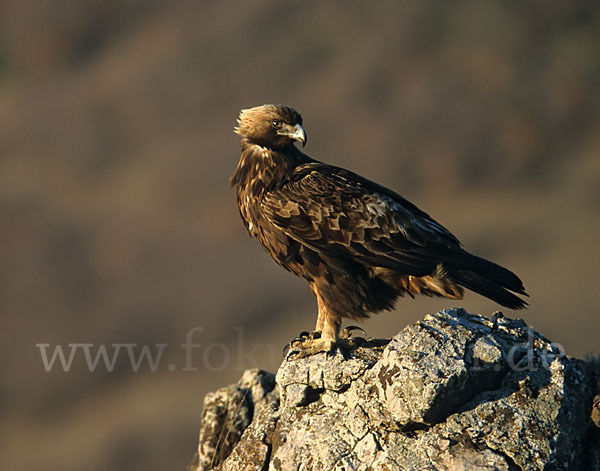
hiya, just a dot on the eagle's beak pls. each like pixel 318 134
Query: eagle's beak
pixel 297 133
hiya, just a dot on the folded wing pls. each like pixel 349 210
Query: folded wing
pixel 341 214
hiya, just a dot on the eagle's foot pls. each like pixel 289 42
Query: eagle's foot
pixel 304 337
pixel 307 344
pixel 311 343
pixel 347 342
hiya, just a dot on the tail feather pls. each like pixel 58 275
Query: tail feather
pixel 488 279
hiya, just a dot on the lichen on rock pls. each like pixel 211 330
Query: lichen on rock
pixel 452 391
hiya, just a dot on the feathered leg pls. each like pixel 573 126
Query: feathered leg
pixel 327 323
pixel 327 337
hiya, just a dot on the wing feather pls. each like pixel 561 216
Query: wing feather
pixel 344 215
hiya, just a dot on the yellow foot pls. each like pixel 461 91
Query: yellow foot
pixel 307 344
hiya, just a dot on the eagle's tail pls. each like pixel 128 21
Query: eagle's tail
pixel 488 279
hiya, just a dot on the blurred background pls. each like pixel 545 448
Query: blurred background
pixel 118 225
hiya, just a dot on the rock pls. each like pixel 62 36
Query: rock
pixel 455 391
pixel 226 415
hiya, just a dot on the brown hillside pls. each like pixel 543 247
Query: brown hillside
pixel 118 225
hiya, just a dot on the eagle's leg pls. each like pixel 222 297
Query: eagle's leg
pixel 327 337
pixel 330 327
pixel 327 323
pixel 323 339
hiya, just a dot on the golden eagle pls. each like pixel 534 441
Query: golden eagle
pixel 358 244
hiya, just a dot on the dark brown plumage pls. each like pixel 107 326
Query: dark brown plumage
pixel 359 245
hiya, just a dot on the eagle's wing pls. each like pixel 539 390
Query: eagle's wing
pixel 341 214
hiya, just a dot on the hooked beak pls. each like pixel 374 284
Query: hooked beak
pixel 296 132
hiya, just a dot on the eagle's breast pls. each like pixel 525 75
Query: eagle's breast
pixel 260 171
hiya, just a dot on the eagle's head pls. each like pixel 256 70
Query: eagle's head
pixel 272 126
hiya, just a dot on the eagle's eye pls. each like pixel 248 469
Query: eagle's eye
pixel 276 123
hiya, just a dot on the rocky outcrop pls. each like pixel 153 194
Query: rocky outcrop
pixel 455 391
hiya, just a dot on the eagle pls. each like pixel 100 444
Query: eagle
pixel 359 245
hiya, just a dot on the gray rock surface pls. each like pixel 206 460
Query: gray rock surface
pixel 455 391
pixel 227 413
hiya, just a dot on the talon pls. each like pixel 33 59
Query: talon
pixel 307 344
pixel 290 350
pixel 291 354
pixel 297 344
pixel 347 332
